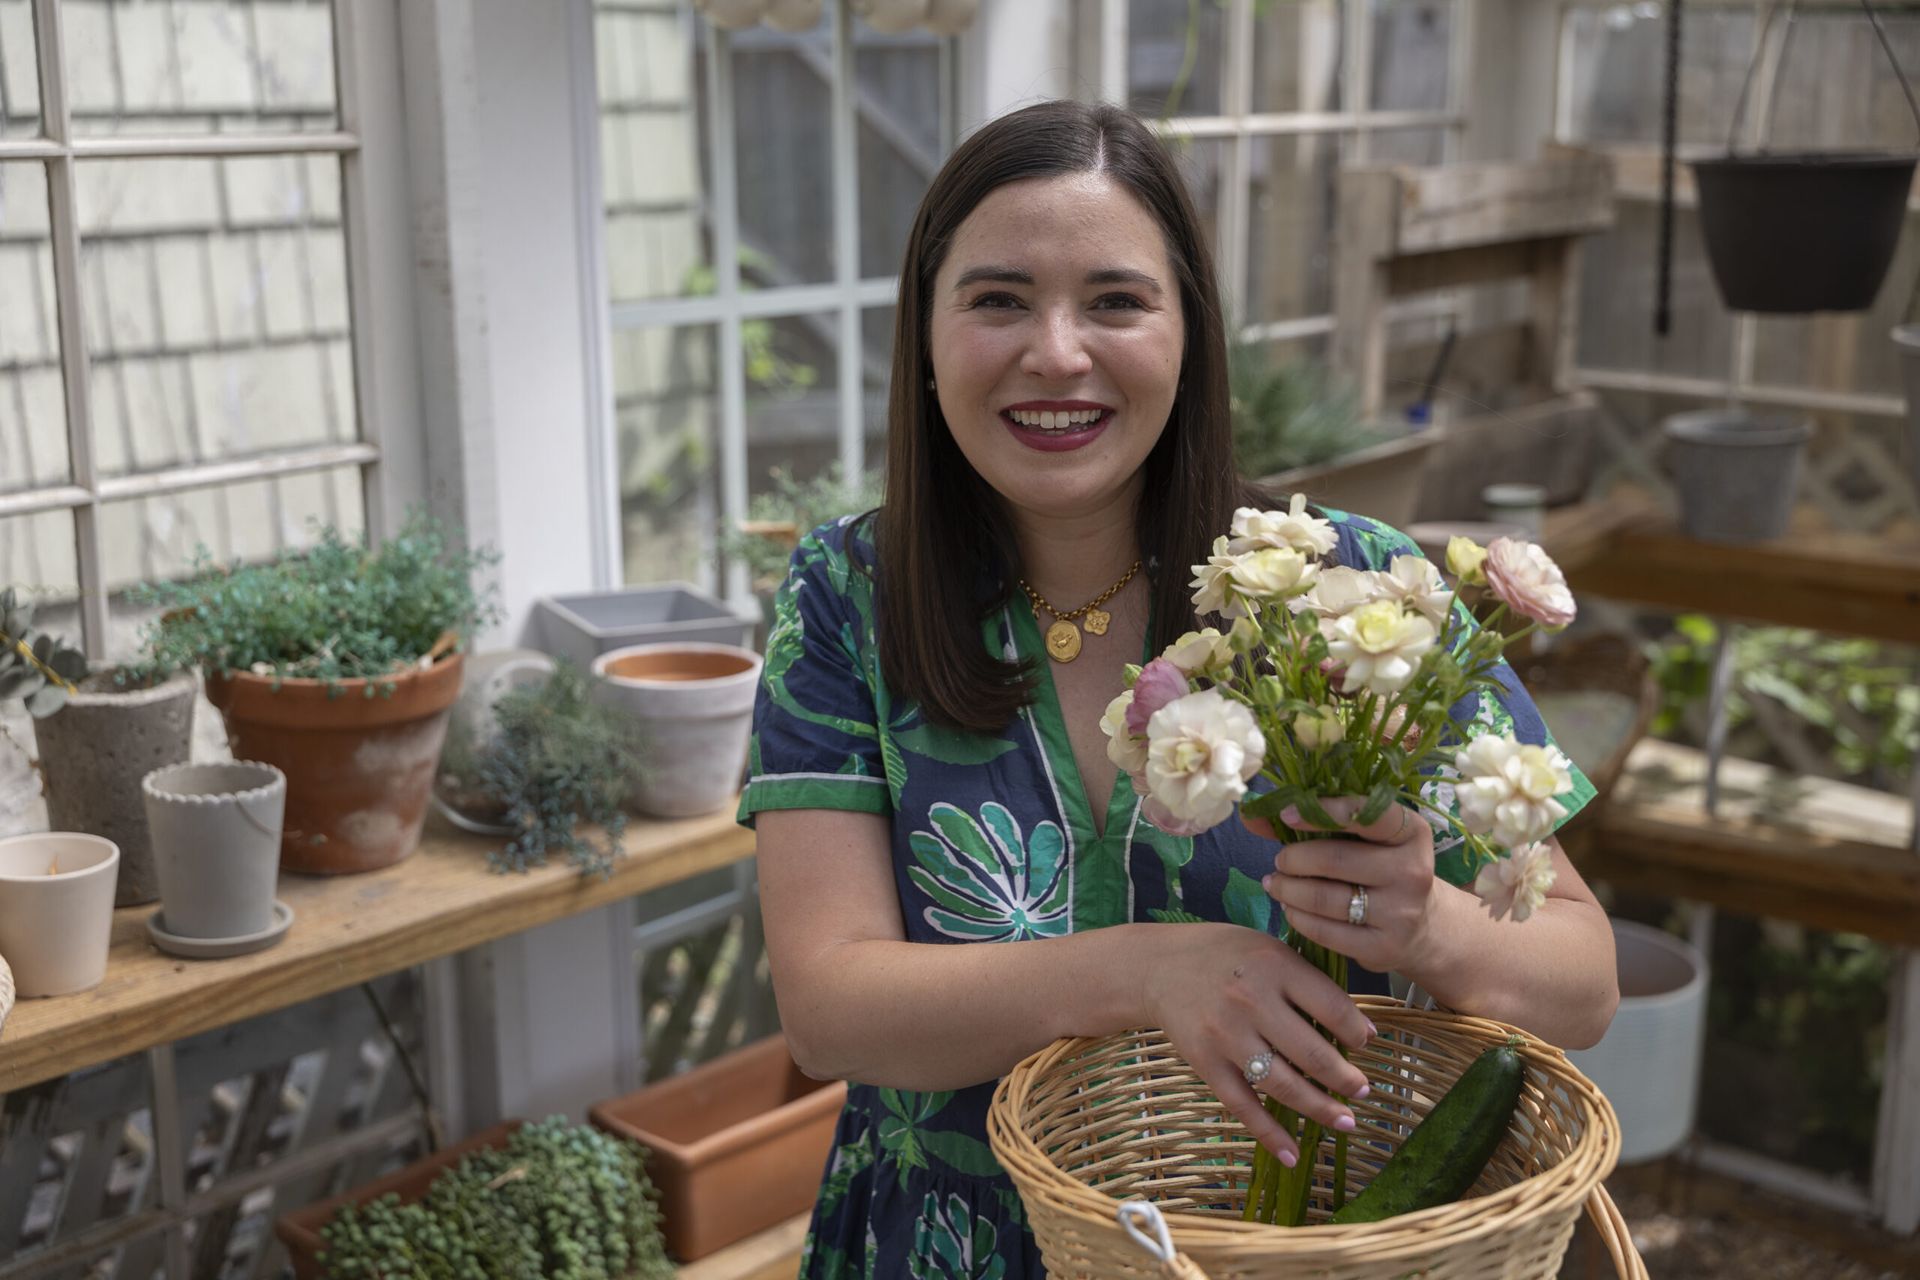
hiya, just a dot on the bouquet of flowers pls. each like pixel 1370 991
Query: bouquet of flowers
pixel 1334 681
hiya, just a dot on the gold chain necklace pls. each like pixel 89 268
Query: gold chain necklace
pixel 1063 638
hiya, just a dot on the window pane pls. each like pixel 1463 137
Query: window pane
pixel 1619 274
pixel 37 558
pixel 898 104
pixel 216 307
pixel 876 330
pixel 651 140
pixel 1842 351
pixel 1202 162
pixel 1412 54
pixel 1291 213
pixel 1407 146
pixel 1836 87
pixel 1617 60
pixel 200 66
pixel 1298 56
pixel 783 148
pixel 793 402
pixel 1174 57
pixel 19 72
pixel 667 420
pixel 33 400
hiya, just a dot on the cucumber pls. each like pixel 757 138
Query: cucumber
pixel 1445 1153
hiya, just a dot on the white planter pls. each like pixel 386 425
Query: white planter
pixel 692 708
pixel 793 15
pixel 55 929
pixel 216 844
pixel 1648 1063
pixel 891 17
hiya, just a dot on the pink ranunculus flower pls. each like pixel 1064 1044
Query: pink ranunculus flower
pixel 1516 884
pixel 1525 579
pixel 1163 818
pixel 1160 682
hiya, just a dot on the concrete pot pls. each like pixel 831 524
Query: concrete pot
pixel 55 929
pixel 359 764
pixel 1907 338
pixel 692 708
pixel 95 750
pixel 216 845
pixel 1648 1063
pixel 734 1145
pixel 1736 472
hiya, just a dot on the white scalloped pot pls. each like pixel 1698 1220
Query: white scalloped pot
pixel 216 845
pixel 55 929
pixel 692 707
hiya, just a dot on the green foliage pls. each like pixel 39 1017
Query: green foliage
pixel 1862 697
pixel 1288 415
pixel 560 759
pixel 336 611
pixel 36 667
pixel 561 1201
pixel 804 504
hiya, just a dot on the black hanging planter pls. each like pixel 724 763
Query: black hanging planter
pixel 1807 231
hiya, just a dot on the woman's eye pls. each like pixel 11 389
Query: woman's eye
pixel 1118 302
pixel 995 301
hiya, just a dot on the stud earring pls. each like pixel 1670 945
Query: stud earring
pixel 930 385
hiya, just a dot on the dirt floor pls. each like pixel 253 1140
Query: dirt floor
pixel 1699 1226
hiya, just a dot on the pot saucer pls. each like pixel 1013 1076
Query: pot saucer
pixel 218 948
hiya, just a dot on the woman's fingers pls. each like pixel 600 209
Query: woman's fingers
pixel 1397 825
pixel 1304 1053
pixel 1238 1096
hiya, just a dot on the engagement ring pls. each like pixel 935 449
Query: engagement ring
pixel 1357 906
pixel 1258 1067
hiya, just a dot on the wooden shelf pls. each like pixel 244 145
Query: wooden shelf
pixel 346 929
pixel 774 1254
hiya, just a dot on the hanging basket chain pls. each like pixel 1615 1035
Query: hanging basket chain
pixel 1759 55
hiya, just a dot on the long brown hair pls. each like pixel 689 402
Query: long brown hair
pixel 946 552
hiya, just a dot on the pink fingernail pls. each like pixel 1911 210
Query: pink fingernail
pixel 1288 1159
pixel 1372 1030
pixel 1363 1091
pixel 1266 883
pixel 1290 817
pixel 1344 1124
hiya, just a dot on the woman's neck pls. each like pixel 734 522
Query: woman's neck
pixel 1070 559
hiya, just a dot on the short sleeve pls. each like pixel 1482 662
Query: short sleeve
pixel 1367 544
pixel 815 743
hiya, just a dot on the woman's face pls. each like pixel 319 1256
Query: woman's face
pixel 1056 338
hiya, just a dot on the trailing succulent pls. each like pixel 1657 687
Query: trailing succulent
pixel 37 668
pixel 560 1201
pixel 336 611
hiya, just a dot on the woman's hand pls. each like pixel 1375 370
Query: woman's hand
pixel 1384 876
pixel 1226 994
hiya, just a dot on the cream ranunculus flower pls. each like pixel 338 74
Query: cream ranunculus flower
pixel 1507 789
pixel 1200 653
pixel 1516 884
pixel 1415 582
pixel 1210 581
pixel 1525 579
pixel 1340 590
pixel 1201 751
pixel 1464 558
pixel 1380 645
pixel 1128 751
pixel 1321 727
pixel 1292 528
pixel 1268 574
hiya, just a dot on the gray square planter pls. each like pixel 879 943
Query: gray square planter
pixel 582 627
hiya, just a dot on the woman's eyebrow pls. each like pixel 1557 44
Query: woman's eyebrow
pixel 1018 275
pixel 1123 275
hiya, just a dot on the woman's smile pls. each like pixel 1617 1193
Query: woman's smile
pixel 1056 426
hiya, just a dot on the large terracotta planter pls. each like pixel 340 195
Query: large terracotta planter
pixel 299 1231
pixel 692 712
pixel 736 1145
pixel 359 768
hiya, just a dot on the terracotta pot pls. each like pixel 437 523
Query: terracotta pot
pixel 359 769
pixel 299 1231
pixel 736 1145
pixel 692 709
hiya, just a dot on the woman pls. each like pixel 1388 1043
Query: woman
pixel 926 770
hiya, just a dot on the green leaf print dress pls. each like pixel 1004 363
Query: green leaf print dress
pixel 993 842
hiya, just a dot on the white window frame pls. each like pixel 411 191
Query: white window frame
pixel 848 294
pixel 369 137
pixel 1352 128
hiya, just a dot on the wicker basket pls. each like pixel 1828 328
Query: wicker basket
pixel 1086 1124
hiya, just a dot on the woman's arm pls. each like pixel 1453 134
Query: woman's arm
pixel 861 1003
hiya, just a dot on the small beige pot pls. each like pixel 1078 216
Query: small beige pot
pixel 692 711
pixel 55 929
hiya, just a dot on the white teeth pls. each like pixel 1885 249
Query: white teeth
pixel 1055 421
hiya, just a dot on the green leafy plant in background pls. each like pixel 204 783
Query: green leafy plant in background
pixel 799 506
pixel 560 1201
pixel 337 611
pixel 36 668
pixel 1290 414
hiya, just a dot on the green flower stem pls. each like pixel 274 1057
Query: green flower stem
pixel 1339 1171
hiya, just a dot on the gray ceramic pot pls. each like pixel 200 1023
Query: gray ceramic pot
pixel 1736 472
pixel 216 846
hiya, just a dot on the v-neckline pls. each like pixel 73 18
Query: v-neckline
pixel 1055 743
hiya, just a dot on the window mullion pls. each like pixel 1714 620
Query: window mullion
pixel 64 227
pixel 726 274
pixel 846 242
pixel 1236 179
pixel 360 288
pixel 1359 77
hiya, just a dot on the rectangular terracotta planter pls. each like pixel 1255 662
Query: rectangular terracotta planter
pixel 738 1144
pixel 299 1231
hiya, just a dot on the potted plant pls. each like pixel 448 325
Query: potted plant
pixel 735 1145
pixel 1735 471
pixel 778 517
pixel 56 910
pixel 1297 430
pixel 547 758
pixel 216 844
pixel 337 666
pixel 691 711
pixel 96 734
pixel 551 1199
pixel 1803 231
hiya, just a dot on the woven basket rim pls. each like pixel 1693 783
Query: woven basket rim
pixel 1564 1186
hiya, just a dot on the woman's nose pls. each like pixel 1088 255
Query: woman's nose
pixel 1057 351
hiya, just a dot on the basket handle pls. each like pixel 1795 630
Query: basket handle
pixel 1143 1222
pixel 1606 1218
pixel 1760 52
